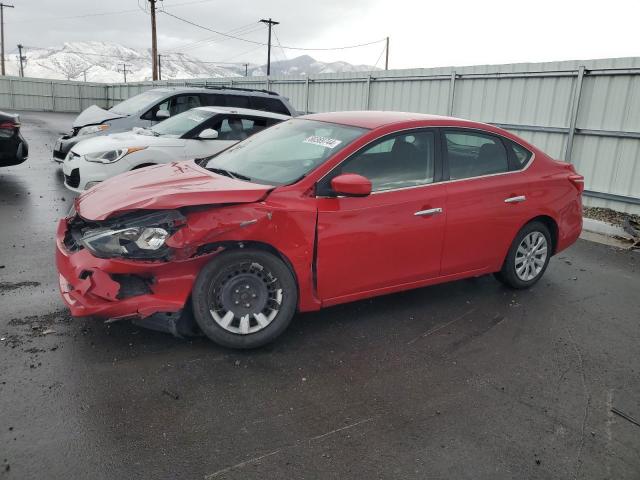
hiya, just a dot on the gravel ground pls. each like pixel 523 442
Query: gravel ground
pixel 609 216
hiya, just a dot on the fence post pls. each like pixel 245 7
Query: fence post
pixel 11 97
pixel 53 97
pixel 368 92
pixel 79 97
pixel 306 97
pixel 452 90
pixel 575 104
pixel 268 83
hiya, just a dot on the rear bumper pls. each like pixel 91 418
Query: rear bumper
pixel 93 286
pixel 569 225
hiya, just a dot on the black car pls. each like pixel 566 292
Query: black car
pixel 13 147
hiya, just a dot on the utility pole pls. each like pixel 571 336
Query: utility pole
pixel 125 71
pixel 154 41
pixel 159 67
pixel 271 23
pixel 246 69
pixel 21 58
pixel 2 7
pixel 386 58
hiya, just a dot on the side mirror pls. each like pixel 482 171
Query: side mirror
pixel 351 185
pixel 162 114
pixel 208 134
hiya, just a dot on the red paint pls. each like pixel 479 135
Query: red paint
pixel 366 245
pixel 164 186
pixel 351 184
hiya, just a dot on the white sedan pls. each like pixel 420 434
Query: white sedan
pixel 196 133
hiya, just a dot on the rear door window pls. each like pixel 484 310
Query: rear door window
pixel 237 127
pixel 237 101
pixel 269 105
pixel 520 155
pixel 474 154
pixel 182 103
pixel 215 100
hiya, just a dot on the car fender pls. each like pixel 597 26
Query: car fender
pixel 153 155
pixel 289 232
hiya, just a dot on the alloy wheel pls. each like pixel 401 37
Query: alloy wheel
pixel 531 256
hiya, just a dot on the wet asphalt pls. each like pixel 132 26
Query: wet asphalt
pixel 466 380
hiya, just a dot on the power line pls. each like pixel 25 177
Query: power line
pixel 279 44
pixel 380 56
pixel 264 44
pixel 100 14
pixel 244 30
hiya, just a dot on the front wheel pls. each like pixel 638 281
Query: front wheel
pixel 244 298
pixel 528 256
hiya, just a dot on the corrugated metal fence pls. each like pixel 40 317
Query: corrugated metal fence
pixel 50 95
pixel 587 112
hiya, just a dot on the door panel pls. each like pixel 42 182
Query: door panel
pixel 378 241
pixel 484 211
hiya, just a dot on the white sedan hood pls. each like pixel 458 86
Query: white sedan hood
pixel 94 115
pixel 124 140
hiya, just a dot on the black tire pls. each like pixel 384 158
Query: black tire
pixel 216 291
pixel 508 274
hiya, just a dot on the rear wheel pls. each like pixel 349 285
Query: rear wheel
pixel 244 298
pixel 528 256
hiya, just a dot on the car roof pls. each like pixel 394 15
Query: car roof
pixel 217 89
pixel 245 111
pixel 374 119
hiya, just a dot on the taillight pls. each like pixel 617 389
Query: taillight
pixel 578 181
pixel 8 125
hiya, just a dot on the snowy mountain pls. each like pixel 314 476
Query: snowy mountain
pixel 103 62
pixel 306 65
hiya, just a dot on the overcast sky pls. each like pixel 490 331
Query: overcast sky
pixel 423 33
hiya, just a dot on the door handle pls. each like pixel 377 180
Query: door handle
pixel 518 199
pixel 429 212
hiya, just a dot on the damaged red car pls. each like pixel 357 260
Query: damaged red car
pixel 316 211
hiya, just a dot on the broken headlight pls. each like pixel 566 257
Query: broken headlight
pixel 92 129
pixel 137 236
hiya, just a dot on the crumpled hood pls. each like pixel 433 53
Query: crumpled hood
pixel 124 140
pixel 94 115
pixel 167 186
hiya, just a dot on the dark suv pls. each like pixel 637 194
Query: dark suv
pixel 153 106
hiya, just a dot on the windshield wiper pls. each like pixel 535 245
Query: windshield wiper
pixel 227 173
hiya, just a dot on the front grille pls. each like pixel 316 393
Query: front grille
pixel 73 180
pixel 132 285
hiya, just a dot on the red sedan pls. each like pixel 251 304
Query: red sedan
pixel 316 211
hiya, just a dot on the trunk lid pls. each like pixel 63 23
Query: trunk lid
pixel 167 186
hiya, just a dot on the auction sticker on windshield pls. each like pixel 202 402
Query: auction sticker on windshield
pixel 323 141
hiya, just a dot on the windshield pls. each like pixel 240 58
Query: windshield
pixel 285 152
pixel 180 124
pixel 137 103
